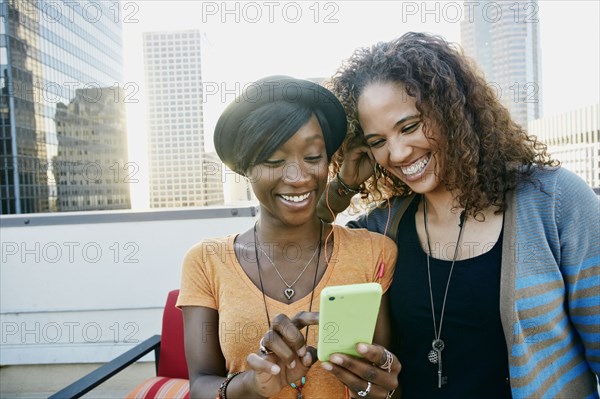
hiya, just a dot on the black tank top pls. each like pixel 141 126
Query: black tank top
pixel 475 359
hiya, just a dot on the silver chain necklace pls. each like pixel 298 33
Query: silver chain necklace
pixel 289 292
pixel 437 345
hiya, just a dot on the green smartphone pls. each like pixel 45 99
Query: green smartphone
pixel 348 315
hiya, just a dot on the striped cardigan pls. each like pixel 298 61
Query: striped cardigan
pixel 550 285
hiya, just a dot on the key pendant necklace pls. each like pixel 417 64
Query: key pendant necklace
pixel 438 345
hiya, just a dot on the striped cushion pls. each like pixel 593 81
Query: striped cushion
pixel 161 388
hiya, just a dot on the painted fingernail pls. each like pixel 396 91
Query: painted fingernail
pixel 293 364
pixel 307 360
pixel 336 359
pixel 362 348
pixel 275 369
pixel 302 351
pixel 327 366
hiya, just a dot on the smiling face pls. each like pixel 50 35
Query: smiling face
pixel 393 129
pixel 290 182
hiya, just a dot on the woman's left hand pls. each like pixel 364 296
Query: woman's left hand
pixel 366 377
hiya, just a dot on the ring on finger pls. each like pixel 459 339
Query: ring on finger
pixel 262 348
pixel 389 359
pixel 364 393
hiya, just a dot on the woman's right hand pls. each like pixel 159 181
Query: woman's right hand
pixel 358 165
pixel 287 359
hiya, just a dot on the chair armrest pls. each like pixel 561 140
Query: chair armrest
pixel 103 373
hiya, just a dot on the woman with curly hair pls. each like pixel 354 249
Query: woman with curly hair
pixel 497 281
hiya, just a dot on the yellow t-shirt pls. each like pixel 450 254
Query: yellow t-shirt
pixel 213 277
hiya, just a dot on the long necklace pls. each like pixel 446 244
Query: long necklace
pixel 297 387
pixel 289 291
pixel 437 345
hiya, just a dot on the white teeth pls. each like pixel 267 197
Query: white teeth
pixel 416 167
pixel 295 198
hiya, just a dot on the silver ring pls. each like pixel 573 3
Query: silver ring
pixel 364 393
pixel 389 359
pixel 262 348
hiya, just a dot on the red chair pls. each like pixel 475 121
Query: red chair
pixel 172 377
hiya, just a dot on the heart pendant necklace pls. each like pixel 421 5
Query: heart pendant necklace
pixel 289 291
pixel 297 387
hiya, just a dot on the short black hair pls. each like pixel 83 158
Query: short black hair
pixel 272 110
pixel 267 128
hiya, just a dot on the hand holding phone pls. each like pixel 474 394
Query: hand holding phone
pixel 348 315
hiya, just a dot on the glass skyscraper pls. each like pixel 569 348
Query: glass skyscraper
pixel 503 37
pixel 63 143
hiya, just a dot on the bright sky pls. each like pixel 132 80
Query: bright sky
pixel 244 41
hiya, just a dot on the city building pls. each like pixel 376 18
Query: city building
pixel 574 139
pixel 50 52
pixel 504 38
pixel 91 169
pixel 178 162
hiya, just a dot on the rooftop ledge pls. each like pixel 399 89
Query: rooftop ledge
pixel 128 215
pixel 84 287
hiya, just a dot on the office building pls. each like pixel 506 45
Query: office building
pixel 90 169
pixel 574 139
pixel 177 158
pixel 503 37
pixel 49 51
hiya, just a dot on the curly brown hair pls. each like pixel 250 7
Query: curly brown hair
pixel 485 152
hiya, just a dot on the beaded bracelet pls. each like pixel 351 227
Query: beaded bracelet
pixel 344 189
pixel 222 392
